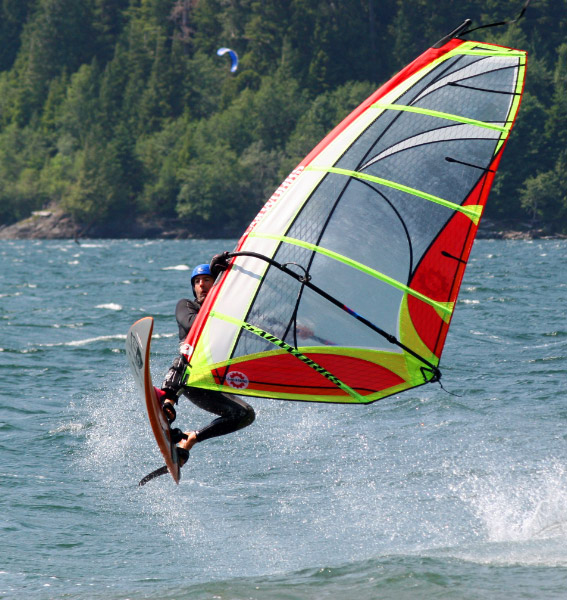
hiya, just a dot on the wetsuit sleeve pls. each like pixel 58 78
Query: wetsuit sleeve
pixel 185 313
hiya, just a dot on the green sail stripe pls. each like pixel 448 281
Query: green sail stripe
pixel 291 350
pixel 473 211
pixel 441 115
pixel 513 53
pixel 445 307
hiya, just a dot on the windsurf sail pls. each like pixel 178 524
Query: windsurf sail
pixel 343 287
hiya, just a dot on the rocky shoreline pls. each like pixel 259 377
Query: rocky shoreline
pixel 55 225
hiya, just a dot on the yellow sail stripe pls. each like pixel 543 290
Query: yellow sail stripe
pixel 440 115
pixel 512 53
pixel 472 211
pixel 446 308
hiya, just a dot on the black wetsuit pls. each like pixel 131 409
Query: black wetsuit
pixel 233 413
pixel 185 313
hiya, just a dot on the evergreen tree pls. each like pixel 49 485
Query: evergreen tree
pixel 13 16
pixel 79 109
pixel 98 192
pixel 109 19
pixel 57 38
pixel 23 151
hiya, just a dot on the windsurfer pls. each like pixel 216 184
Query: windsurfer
pixel 233 413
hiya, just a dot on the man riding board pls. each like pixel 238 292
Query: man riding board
pixel 232 412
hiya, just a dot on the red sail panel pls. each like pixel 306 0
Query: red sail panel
pixel 440 272
pixel 283 371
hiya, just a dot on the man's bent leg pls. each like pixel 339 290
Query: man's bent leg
pixel 233 412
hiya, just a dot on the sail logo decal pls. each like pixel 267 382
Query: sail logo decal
pixel 237 380
pixel 186 349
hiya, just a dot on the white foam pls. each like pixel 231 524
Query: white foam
pixel 95 339
pixel 177 268
pixel 99 338
pixel 525 512
pixel 110 306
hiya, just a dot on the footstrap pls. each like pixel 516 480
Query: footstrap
pixel 177 435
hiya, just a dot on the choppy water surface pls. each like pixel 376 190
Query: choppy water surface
pixel 424 495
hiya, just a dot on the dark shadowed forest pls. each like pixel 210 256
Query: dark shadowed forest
pixel 115 109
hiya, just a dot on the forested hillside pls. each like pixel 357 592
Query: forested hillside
pixel 120 108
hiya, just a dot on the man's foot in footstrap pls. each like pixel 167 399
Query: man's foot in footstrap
pixel 183 453
pixel 177 436
pixel 167 405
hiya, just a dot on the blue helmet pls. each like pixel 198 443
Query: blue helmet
pixel 200 270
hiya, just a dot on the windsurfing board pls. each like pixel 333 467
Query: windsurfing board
pixel 138 343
